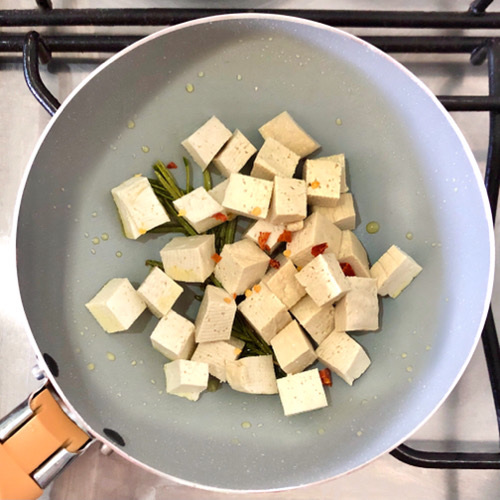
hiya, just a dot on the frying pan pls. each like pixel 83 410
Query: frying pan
pixel 409 169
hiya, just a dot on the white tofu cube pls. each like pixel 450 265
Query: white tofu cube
pixel 116 306
pixel 324 279
pixel 343 214
pixel 289 202
pixel 159 291
pixel 282 282
pixel 215 315
pixel 242 265
pixel 394 271
pixel 317 229
pixel 264 226
pixel 353 252
pixel 187 379
pixel 302 392
pixel 265 312
pixel 217 193
pixel 207 141
pixel 317 321
pixel 285 130
pixel 358 308
pixel 248 196
pixel 199 209
pixel 217 353
pixel 139 208
pixel 344 356
pixel 253 375
pixel 323 181
pixel 234 155
pixel 173 336
pixel 292 348
pixel 295 226
pixel 189 258
pixel 274 159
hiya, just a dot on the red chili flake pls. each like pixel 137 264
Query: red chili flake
pixel 171 165
pixel 319 249
pixel 219 216
pixel 326 376
pixel 285 236
pixel 274 264
pixel 216 257
pixel 347 269
pixel 262 241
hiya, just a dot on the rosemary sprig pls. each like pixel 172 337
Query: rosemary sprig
pixel 187 166
pixel 154 263
pixel 207 179
pixel 168 228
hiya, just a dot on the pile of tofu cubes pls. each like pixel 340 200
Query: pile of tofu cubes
pixel 288 269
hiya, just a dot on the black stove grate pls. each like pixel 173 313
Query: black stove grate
pixel 37 49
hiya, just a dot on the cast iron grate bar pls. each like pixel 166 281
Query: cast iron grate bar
pixel 36 49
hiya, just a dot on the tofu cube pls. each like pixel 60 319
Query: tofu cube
pixel 285 130
pixel 187 379
pixel 394 271
pixel 264 226
pixel 274 159
pixel 242 265
pixel 159 291
pixel 173 336
pixel 217 193
pixel 189 258
pixel 317 229
pixel 353 252
pixel 217 353
pixel 302 392
pixel 295 226
pixel 265 312
pixel 234 155
pixel 283 284
pixel 199 208
pixel 358 308
pixel 343 214
pixel 207 141
pixel 317 321
pixel 139 208
pixel 292 348
pixel 116 306
pixel 324 279
pixel 215 315
pixel 322 177
pixel 289 201
pixel 253 375
pixel 344 356
pixel 248 196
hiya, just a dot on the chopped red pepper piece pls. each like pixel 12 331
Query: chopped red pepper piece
pixel 347 269
pixel 216 257
pixel 262 240
pixel 285 236
pixel 319 249
pixel 171 165
pixel 326 376
pixel 274 264
pixel 219 216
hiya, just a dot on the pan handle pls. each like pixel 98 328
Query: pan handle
pixel 37 439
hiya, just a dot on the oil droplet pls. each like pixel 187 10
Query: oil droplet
pixel 145 149
pixel 133 363
pixel 359 433
pixel 91 367
pixel 62 189
pixel 239 77
pixel 110 356
pixel 160 392
pixel 372 227
pixel 78 350
pixel 82 333
pixel 201 74
pixel 433 244
pixel 236 441
pixel 118 394
pixel 130 124
pixel 69 206
pixel 260 425
pixel 113 147
pixel 409 368
pixel 153 381
pixel 104 236
pixel 364 401
pixel 118 254
pixel 189 87
pixel 92 251
pixel 427 347
pixel 256 88
pixel 338 121
pixel 94 214
pixel 409 236
pixel 86 235
pixel 246 425
pixel 96 240
pixel 404 355
pixel 321 431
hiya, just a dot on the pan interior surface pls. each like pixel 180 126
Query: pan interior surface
pixel 408 169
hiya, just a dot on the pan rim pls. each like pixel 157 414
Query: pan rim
pixel 268 17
